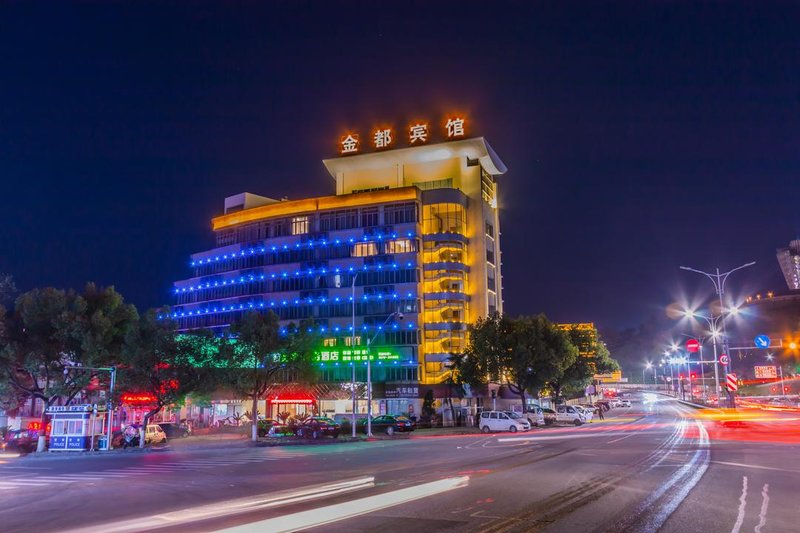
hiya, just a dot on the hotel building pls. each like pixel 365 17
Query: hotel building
pixel 412 230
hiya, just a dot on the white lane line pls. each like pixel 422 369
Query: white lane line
pixel 342 511
pixel 742 505
pixel 621 438
pixel 757 467
pixel 762 515
pixel 27 483
pixel 231 507
pixel 562 437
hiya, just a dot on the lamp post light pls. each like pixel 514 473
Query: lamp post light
pixel 648 365
pixel 718 279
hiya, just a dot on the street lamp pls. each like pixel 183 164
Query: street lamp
pixel 647 366
pixel 399 316
pixel 719 279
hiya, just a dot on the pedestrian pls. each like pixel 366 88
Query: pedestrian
pixel 600 412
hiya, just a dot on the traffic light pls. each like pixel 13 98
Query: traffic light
pixel 681 376
pixel 774 389
pixel 693 376
pixel 786 389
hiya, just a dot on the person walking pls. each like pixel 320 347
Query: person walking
pixel 599 409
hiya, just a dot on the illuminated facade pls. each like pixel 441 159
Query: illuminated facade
pixel 413 230
pixel 789 260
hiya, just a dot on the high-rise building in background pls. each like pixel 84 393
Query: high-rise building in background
pixel 413 230
pixel 789 260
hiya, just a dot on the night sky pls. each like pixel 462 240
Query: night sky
pixel 638 138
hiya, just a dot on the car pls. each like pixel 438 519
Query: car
pixel 174 430
pixel 549 416
pixel 535 416
pixel 153 434
pixel 20 441
pixel 624 403
pixel 499 421
pixel 568 414
pixel 264 425
pixel 318 426
pixel 389 424
pixel 588 412
pixel 520 418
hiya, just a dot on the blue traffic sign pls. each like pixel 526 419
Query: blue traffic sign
pixel 762 341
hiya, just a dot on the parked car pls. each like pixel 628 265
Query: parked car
pixel 499 421
pixel 318 426
pixel 568 414
pixel 388 424
pixel 520 418
pixel 549 416
pixel 174 430
pixel 535 416
pixel 20 441
pixel 588 412
pixel 264 425
pixel 153 434
pixel 624 403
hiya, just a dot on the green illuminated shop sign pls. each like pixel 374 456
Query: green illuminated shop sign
pixel 359 354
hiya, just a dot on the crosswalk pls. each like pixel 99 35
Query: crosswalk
pixel 16 480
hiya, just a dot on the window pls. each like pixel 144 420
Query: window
pixel 400 213
pixel 369 217
pixel 364 249
pixel 434 184
pixel 399 246
pixel 489 230
pixel 338 220
pixel 444 218
pixel 492 415
pixel 300 225
pixel 490 256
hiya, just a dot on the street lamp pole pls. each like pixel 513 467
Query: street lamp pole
pixel 352 351
pixel 718 279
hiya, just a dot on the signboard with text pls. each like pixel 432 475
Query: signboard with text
pixel 766 372
pixel 347 355
pixel 416 133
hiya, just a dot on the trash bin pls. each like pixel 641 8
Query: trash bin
pixel 102 443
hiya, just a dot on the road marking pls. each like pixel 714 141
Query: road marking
pixel 762 515
pixel 758 467
pixel 225 508
pixel 742 505
pixel 621 438
pixel 341 511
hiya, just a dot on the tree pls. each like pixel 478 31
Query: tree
pixel 593 358
pixel 523 353
pixel 55 340
pixel 7 288
pixel 164 366
pixel 540 353
pixel 263 354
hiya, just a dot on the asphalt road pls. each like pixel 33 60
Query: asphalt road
pixel 654 466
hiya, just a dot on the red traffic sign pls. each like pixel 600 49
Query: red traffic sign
pixel 692 345
pixel 730 382
pixel 724 359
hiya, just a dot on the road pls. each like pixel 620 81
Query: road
pixel 654 466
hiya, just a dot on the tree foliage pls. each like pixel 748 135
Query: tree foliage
pixel 53 334
pixel 594 358
pixel 158 363
pixel 264 355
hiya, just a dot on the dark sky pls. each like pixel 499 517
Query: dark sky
pixel 638 138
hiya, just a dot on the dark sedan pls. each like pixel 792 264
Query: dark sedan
pixel 390 424
pixel 318 426
pixel 175 430
pixel 20 441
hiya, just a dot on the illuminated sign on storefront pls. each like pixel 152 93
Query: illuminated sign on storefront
pixel 453 127
pixel 359 354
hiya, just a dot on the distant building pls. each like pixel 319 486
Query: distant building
pixel 789 260
pixel 414 230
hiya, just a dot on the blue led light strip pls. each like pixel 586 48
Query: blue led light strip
pixel 297 246
pixel 284 275
pixel 284 303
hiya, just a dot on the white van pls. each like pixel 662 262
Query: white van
pixel 153 434
pixel 569 415
pixel 499 421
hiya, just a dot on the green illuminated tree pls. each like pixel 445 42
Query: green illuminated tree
pixel 164 366
pixel 265 354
